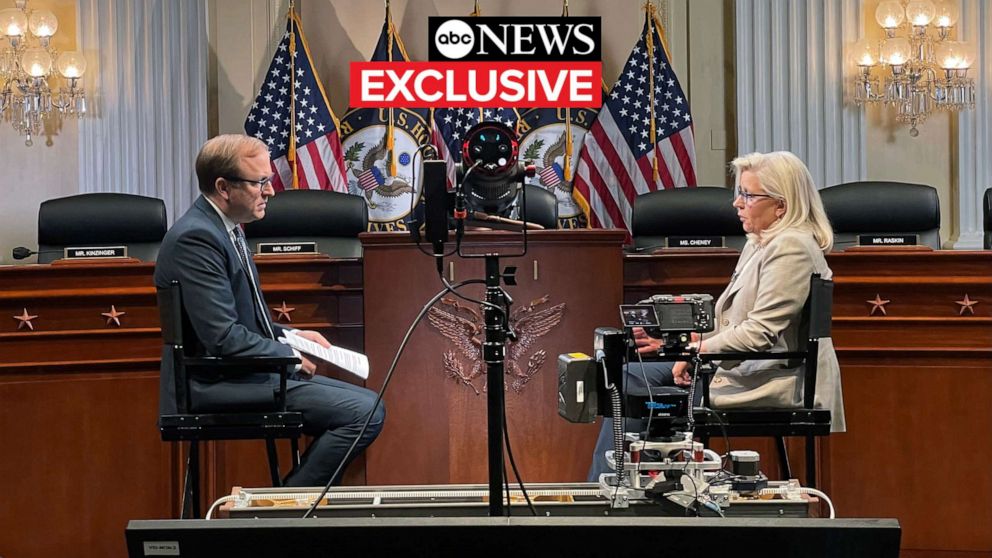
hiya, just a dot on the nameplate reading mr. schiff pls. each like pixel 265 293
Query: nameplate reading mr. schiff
pixel 888 240
pixel 85 253
pixel 695 242
pixel 287 247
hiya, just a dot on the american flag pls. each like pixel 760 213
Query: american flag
pixel 618 158
pixel 291 84
pixel 450 125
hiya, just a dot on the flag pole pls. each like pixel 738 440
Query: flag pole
pixel 650 44
pixel 291 154
pixel 390 128
pixel 568 120
pixel 476 12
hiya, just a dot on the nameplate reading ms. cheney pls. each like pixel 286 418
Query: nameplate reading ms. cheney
pixel 695 242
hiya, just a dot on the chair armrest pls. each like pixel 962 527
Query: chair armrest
pixel 708 357
pixel 251 363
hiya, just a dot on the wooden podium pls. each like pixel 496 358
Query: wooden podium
pixel 568 283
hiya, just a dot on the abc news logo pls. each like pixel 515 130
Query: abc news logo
pixel 490 39
pixel 533 62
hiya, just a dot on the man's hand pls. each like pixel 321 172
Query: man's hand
pixel 309 367
pixel 315 337
pixel 645 343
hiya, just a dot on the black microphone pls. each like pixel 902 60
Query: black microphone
pixel 435 207
pixel 21 252
pixel 650 247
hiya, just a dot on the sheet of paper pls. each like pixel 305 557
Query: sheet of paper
pixel 356 363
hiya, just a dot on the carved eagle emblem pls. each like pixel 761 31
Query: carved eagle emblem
pixel 373 174
pixel 463 326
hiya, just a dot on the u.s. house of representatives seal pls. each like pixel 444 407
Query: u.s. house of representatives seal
pixel 389 195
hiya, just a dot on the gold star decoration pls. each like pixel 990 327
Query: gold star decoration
pixel 966 304
pixel 878 305
pixel 113 316
pixel 284 312
pixel 25 320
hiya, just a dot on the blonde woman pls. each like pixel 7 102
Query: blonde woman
pixel 788 235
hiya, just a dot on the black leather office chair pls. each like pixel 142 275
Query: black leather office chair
pixel 194 427
pixel 882 208
pixel 779 423
pixel 542 207
pixel 987 218
pixel 101 219
pixel 331 219
pixel 702 211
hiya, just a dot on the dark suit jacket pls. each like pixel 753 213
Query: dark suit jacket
pixel 198 252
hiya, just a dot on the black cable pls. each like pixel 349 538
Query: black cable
pixel 382 390
pixel 506 487
pixel 516 472
pixel 503 313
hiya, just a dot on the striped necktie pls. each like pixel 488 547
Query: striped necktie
pixel 245 256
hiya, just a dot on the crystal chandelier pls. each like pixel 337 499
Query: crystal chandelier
pixel 28 97
pixel 922 70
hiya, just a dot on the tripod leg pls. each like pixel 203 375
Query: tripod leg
pixel 783 458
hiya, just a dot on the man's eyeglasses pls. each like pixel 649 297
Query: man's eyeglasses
pixel 260 183
pixel 748 197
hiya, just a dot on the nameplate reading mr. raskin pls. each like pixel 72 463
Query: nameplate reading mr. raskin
pixel 888 240
pixel 89 252
pixel 287 247
pixel 695 242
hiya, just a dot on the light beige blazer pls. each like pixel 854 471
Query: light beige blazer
pixel 760 311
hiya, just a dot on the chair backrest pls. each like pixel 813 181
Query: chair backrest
pixel 101 219
pixel 331 219
pixel 542 207
pixel 817 317
pixel 702 211
pixel 882 208
pixel 174 323
pixel 987 218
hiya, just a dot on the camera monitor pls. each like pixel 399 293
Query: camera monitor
pixel 638 315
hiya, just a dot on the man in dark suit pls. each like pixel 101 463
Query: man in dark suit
pixel 206 253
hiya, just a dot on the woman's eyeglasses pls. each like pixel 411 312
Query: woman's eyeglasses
pixel 748 197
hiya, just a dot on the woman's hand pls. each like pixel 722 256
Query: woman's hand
pixel 645 343
pixel 680 373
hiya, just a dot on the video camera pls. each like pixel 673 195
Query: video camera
pixel 671 318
